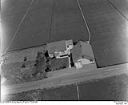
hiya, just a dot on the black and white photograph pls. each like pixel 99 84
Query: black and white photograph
pixel 64 50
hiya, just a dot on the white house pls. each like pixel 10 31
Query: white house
pixel 60 49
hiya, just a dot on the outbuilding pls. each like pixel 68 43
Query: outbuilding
pixel 82 54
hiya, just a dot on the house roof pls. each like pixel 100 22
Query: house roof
pixel 59 46
pixel 82 50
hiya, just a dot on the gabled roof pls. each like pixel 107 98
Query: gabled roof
pixel 82 50
pixel 59 46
